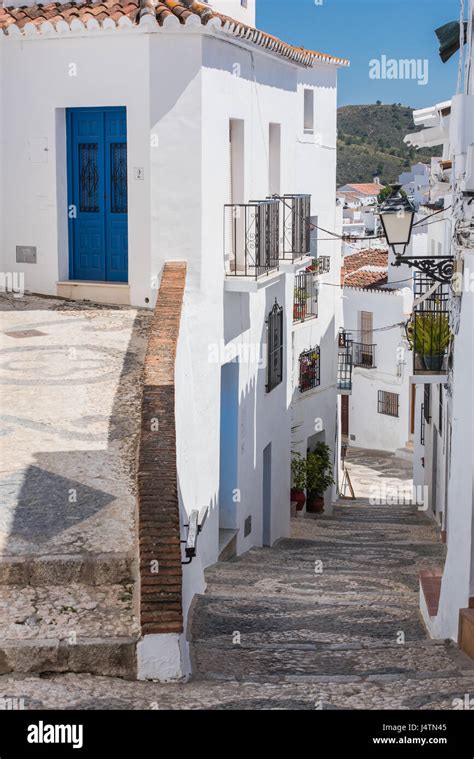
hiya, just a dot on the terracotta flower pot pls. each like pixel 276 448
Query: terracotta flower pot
pixel 299 497
pixel 315 504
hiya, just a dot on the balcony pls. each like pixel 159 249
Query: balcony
pixel 310 369
pixel 252 238
pixel 344 362
pixel 323 264
pixel 296 226
pixel 364 355
pixel 429 331
pixel 305 304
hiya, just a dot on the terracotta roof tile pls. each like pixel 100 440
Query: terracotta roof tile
pixel 357 269
pixel 369 188
pixel 162 9
pixel 365 279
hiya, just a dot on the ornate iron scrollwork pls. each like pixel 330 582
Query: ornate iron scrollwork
pixel 439 268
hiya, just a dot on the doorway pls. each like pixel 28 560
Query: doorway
pixel 229 437
pixel 97 194
pixel 267 496
pixel 345 415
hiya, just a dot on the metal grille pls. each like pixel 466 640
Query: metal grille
pixel 118 168
pixel 305 304
pixel 296 226
pixel 429 329
pixel 88 177
pixel 275 347
pixel 364 355
pixel 344 361
pixel 252 231
pixel 310 369
pixel 388 403
pixel 427 404
pixel 323 264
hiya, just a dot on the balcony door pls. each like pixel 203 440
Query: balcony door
pixel 97 194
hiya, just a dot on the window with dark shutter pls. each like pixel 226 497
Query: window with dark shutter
pixel 388 403
pixel 275 347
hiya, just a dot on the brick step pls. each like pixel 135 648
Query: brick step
pixel 62 569
pixel 215 660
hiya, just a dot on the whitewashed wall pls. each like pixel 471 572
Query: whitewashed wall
pixel 369 428
pixel 36 89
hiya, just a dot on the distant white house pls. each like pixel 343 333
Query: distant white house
pixel 416 183
pixel 152 134
pixel 379 412
pixel 359 212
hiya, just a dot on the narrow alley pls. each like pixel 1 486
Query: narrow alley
pixel 327 619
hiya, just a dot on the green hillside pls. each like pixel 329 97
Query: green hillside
pixel 370 140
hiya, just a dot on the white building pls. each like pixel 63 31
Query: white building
pixel 416 183
pixel 134 130
pixel 445 423
pixel 379 412
pixel 359 210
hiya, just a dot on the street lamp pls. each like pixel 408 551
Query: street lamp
pixel 397 216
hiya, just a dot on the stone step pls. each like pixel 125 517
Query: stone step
pixel 281 663
pixel 110 657
pixel 270 620
pixel 76 628
pixel 62 569
pixel 90 692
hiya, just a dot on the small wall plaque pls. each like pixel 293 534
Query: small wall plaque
pixel 26 254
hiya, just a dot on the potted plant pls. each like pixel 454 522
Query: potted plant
pixel 318 477
pixel 301 295
pixel 298 471
pixel 429 336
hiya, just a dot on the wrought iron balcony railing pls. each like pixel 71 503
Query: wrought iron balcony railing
pixel 364 355
pixel 305 304
pixel 323 264
pixel 252 238
pixel 344 361
pixel 310 369
pixel 296 226
pixel 429 331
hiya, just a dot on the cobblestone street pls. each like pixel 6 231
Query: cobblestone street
pixel 316 622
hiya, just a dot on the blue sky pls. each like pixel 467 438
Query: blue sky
pixel 362 30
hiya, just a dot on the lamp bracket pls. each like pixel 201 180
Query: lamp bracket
pixel 439 268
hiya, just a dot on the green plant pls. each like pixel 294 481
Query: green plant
pixel 301 295
pixel 319 470
pixel 429 333
pixel 298 471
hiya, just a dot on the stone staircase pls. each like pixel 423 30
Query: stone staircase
pixel 336 603
pixel 67 614
pixel 70 425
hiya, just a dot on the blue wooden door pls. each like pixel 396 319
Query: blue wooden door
pixel 97 189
